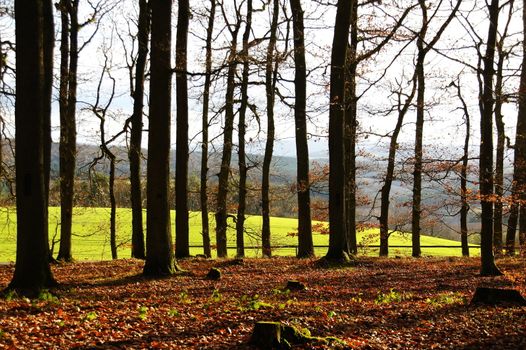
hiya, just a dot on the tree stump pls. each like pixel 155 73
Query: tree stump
pixel 295 286
pixel 214 274
pixel 267 335
pixel 493 296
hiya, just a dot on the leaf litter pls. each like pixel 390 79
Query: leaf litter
pixel 376 304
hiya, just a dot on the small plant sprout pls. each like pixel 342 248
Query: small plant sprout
pixel 392 296
pixel 216 296
pixel 174 313
pixel 90 316
pixel 143 312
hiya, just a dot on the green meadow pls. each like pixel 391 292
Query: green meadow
pixel 91 236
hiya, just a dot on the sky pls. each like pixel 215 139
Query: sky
pixel 444 125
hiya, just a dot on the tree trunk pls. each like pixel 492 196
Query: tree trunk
pixel 305 244
pixel 488 267
pixel 203 191
pixel 34 28
pixel 385 192
pixel 182 235
pixel 350 120
pixel 419 131
pixel 270 83
pixel 337 219
pixel 68 133
pixel 242 187
pixel 159 247
pixel 464 209
pixel 222 191
pixel 513 218
pixel 113 206
pixel 501 138
pixel 134 153
pixel 520 149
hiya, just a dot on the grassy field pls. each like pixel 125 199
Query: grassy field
pixel 91 236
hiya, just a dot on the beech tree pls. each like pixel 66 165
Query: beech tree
pixel 68 133
pixel 134 152
pixel 500 99
pixel 488 267
pixel 464 206
pixel 101 111
pixel 159 247
pixel 203 190
pixel 424 46
pixel 34 67
pixel 70 49
pixel 182 235
pixel 338 251
pixel 305 244
pixel 243 169
pixel 221 214
pixel 353 61
pixel 270 86
pixel 518 192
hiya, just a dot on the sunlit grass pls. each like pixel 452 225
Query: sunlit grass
pixel 91 236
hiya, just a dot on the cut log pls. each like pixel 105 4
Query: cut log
pixel 493 296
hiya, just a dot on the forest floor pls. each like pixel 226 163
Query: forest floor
pixel 374 304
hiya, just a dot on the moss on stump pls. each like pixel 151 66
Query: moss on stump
pixel 276 335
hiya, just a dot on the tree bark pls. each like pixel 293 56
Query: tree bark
pixel 68 133
pixel 419 132
pixel 305 243
pixel 34 37
pixel 337 216
pixel 464 209
pixel 501 138
pixel 518 211
pixel 182 234
pixel 159 247
pixel 203 191
pixel 242 186
pixel 270 83
pixel 350 120
pixel 134 153
pixel 488 267
pixel 389 174
pixel 222 191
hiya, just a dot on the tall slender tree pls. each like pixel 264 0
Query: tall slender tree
pixel 100 110
pixel 305 244
pixel 34 66
pixel 270 85
pixel 488 267
pixel 385 191
pixel 338 251
pixel 203 191
pixel 350 120
pixel 134 153
pixel 242 161
pixel 182 234
pixel 159 247
pixel 354 59
pixel 501 133
pixel 464 208
pixel 517 212
pixel 222 191
pixel 68 132
pixel 423 46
